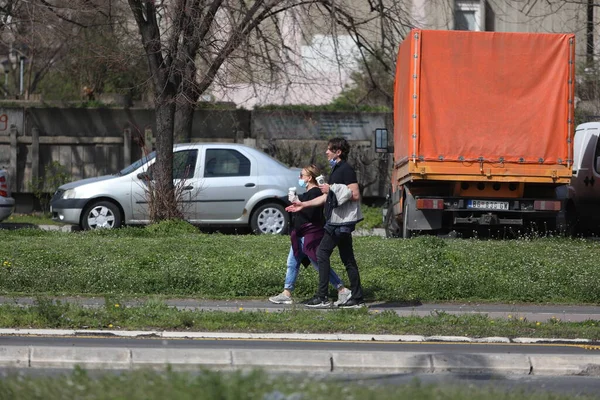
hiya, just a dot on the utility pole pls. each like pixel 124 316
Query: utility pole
pixel 589 33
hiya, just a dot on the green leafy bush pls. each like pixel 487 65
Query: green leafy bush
pixel 55 174
pixel 373 218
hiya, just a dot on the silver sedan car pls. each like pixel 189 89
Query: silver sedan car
pixel 219 185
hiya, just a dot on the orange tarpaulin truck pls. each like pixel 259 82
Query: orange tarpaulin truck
pixel 483 130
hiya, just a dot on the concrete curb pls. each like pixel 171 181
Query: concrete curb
pixel 296 360
pixel 286 336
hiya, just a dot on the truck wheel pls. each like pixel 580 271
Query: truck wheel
pixel 101 215
pixel 392 229
pixel 406 232
pixel 572 225
pixel 270 218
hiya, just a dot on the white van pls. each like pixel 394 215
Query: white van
pixel 582 196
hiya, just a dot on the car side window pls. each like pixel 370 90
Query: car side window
pixel 184 165
pixel 225 163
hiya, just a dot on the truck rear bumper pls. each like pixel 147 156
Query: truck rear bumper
pixel 437 212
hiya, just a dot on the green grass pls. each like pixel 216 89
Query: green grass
pixel 35 219
pixel 145 384
pixel 155 314
pixel 170 261
pixel 372 219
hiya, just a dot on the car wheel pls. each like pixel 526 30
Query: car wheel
pixel 101 215
pixel 269 218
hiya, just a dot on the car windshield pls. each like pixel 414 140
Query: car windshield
pixel 137 164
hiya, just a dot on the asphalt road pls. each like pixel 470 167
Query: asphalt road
pixel 312 353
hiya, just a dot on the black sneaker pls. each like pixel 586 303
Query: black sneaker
pixel 318 302
pixel 353 303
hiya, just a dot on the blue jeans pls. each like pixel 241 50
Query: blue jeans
pixel 293 267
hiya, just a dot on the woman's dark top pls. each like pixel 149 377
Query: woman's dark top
pixel 313 215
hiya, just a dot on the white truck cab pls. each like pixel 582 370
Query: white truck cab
pixel 582 196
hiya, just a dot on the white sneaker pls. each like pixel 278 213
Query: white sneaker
pixel 281 298
pixel 343 297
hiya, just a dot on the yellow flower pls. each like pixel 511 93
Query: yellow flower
pixel 117 305
pixel 509 316
pixel 241 308
pixel 110 325
pixel 521 319
pixel 538 323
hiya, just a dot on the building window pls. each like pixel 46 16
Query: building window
pixel 468 15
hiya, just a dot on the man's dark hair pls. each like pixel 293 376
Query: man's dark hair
pixel 339 143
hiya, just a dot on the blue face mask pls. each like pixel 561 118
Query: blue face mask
pixel 301 183
pixel 332 162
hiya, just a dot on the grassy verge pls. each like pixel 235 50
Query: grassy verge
pixel 169 260
pixel 149 385
pixel 372 218
pixel 35 219
pixel 156 315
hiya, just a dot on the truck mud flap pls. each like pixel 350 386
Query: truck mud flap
pixel 422 220
pixel 488 219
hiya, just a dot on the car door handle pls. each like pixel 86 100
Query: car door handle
pixel 250 185
pixel 187 188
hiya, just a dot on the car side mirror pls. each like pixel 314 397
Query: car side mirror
pixel 381 141
pixel 144 176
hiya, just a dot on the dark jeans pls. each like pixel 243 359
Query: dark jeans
pixel 343 241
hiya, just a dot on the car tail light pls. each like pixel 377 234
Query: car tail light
pixel 430 204
pixel 3 186
pixel 546 205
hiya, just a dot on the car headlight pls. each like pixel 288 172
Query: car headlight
pixel 69 194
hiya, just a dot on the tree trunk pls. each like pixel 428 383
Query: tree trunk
pixel 184 118
pixel 165 205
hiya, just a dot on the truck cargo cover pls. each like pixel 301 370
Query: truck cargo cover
pixel 493 96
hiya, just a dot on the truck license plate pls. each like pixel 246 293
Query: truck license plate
pixel 488 205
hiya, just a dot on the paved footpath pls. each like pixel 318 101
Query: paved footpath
pixel 535 313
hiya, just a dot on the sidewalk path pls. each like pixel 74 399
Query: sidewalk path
pixel 534 313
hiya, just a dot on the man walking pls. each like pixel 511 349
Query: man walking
pixel 341 197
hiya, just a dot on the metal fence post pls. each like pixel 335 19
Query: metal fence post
pixel 12 168
pixel 35 156
pixel 126 147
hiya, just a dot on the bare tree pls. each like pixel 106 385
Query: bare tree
pixel 187 43
pixel 191 44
